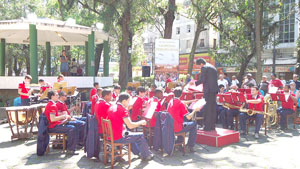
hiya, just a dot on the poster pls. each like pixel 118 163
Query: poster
pixel 166 60
pixel 184 62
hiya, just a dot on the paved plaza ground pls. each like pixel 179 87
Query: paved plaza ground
pixel 277 150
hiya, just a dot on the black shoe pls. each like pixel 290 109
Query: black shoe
pixel 70 152
pixel 149 158
pixel 192 150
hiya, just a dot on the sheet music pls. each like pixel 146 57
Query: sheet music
pixel 150 109
pixel 198 88
pixel 287 96
pixel 199 104
pixel 273 90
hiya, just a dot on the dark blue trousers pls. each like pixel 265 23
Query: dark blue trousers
pixel 230 115
pixel 190 127
pixel 258 121
pixel 223 116
pixel 25 102
pixel 79 125
pixel 139 144
pixel 71 132
pixel 283 113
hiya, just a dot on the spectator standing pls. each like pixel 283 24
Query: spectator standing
pixel 296 81
pixel 64 67
pixel 223 82
pixel 264 85
pixel 275 81
pixel 234 81
pixel 73 66
pixel 228 79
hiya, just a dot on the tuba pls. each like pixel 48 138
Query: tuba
pixel 271 108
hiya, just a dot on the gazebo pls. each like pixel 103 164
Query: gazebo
pixel 49 32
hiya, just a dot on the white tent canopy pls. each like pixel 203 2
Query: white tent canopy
pixel 58 33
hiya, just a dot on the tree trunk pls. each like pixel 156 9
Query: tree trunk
pixel 17 66
pixel 123 47
pixel 61 10
pixel 9 65
pixel 196 37
pixel 169 19
pixel 243 67
pixel 129 57
pixel 258 39
pixel 98 54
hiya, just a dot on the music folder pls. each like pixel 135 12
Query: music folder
pixel 69 90
pixel 221 98
pixel 242 97
pixel 198 104
pixel 228 98
pixel 59 85
pixel 149 110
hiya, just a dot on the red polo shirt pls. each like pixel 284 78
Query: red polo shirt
pixel 24 89
pixel 93 92
pixel 289 104
pixel 51 108
pixel 177 110
pixel 101 109
pixel 277 83
pixel 44 87
pixel 95 98
pixel 257 107
pixel 151 94
pixel 158 107
pixel 116 114
pixel 137 109
pixel 61 106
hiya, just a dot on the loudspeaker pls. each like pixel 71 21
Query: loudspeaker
pixel 145 71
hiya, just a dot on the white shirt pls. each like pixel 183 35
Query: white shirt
pixel 235 82
pixel 223 82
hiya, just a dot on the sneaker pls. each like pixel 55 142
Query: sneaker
pixel 149 158
pixel 70 152
pixel 256 135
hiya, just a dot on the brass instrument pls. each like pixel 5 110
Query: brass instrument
pixel 230 106
pixel 251 112
pixel 271 109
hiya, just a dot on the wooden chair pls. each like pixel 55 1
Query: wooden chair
pixel 60 139
pixel 108 139
pixel 254 119
pixel 294 116
pixel 183 134
pixel 148 133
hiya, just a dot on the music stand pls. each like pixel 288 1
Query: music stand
pixel 274 96
pixel 242 98
pixel 234 96
pixel 171 85
pixel 59 85
pixel 69 90
pixel 221 98
pixel 228 98
pixel 149 110
pixel 45 94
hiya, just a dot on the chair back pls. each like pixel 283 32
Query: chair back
pixel 107 130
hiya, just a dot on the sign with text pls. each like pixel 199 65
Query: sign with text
pixel 184 62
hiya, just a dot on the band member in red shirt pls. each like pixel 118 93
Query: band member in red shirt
pixel 24 91
pixel 58 123
pixel 287 107
pixel 116 93
pixel 94 90
pixel 102 107
pixel 275 82
pixel 256 103
pixel 168 77
pixel 157 98
pixel 95 98
pixel 151 93
pixel 178 110
pixel 233 111
pixel 129 90
pixel 63 109
pixel 43 86
pixel 137 107
pixel 119 115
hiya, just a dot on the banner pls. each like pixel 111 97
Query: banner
pixel 166 59
pixel 184 62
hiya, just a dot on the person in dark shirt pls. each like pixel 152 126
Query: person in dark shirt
pixel 297 82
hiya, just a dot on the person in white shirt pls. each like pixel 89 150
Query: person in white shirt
pixel 234 81
pixel 223 82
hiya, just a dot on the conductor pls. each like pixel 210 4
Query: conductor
pixel 209 79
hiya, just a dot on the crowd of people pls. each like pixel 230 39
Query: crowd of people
pixel 69 66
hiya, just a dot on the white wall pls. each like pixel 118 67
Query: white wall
pixel 9 82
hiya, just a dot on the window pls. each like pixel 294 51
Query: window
pixel 178 30
pixel 201 42
pixel 287 26
pixel 215 44
pixel 188 28
pixel 188 44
